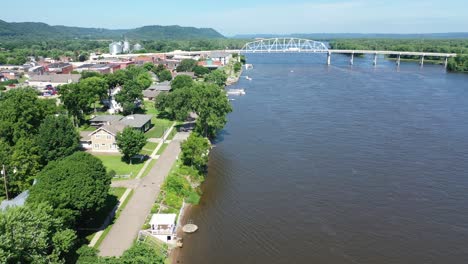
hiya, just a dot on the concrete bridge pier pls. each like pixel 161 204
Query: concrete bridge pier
pixel 351 61
pixel 446 62
pixel 398 60
pixel 328 58
pixel 422 61
pixel 375 59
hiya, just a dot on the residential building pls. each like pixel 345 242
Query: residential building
pixel 103 139
pixel 223 57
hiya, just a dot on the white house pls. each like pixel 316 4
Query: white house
pixel 163 227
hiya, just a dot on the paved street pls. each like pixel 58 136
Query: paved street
pixel 132 218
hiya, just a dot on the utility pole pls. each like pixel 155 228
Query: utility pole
pixel 5 182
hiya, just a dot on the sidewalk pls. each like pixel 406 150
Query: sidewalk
pixel 132 218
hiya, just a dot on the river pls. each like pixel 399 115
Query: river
pixel 338 164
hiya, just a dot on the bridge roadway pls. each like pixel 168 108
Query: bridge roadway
pixel 422 55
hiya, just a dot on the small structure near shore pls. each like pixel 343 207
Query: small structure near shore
pixel 189 228
pixel 163 227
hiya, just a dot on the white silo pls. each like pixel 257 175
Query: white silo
pixel 126 46
pixel 115 48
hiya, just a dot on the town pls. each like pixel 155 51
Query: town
pixel 118 121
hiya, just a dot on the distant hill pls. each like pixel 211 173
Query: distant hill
pixel 328 36
pixel 42 30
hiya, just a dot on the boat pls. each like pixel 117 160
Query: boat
pixel 236 92
pixel 248 78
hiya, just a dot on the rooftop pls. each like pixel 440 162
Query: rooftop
pixel 58 65
pixel 164 86
pixel 56 78
pixel 106 118
pixel 136 120
pixel 17 201
pixel 163 219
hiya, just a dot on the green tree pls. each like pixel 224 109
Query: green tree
pixel 200 71
pixel 212 106
pixel 76 186
pixel 75 101
pixel 149 66
pixel 21 113
pixel 181 81
pixel 144 80
pixel 237 66
pixel 31 234
pixel 26 163
pixel 89 74
pixel 164 75
pixel 186 65
pixel 177 104
pixel 57 138
pixel 130 94
pixel 218 77
pixel 117 78
pixel 195 152
pixel 130 142
pixel 94 89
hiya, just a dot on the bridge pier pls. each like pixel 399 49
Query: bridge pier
pixel 352 59
pixel 446 62
pixel 422 61
pixel 398 60
pixel 375 59
pixel 328 58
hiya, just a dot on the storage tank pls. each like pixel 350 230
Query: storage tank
pixel 115 48
pixel 126 46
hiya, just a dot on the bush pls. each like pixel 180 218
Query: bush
pixel 177 185
pixel 173 200
pixel 193 198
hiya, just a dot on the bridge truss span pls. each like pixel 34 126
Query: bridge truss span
pixel 283 45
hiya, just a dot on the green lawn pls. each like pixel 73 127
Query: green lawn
pixel 149 108
pixel 120 167
pixel 149 148
pixel 161 150
pixel 160 125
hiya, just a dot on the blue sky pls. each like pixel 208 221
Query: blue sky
pixel 251 16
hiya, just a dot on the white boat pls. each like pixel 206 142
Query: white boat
pixel 248 78
pixel 236 92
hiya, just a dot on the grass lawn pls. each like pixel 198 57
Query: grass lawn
pixel 163 147
pixel 160 125
pixel 149 108
pixel 120 167
pixel 149 148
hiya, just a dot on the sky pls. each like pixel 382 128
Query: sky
pixel 251 16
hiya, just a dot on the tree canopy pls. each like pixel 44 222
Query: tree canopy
pixel 31 234
pixel 195 152
pixel 186 65
pixel 130 142
pixel 164 75
pixel 57 138
pixel 76 186
pixel 181 81
pixel 218 77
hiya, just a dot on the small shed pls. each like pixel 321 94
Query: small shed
pixel 163 227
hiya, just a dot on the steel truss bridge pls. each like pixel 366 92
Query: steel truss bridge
pixel 297 45
pixel 284 45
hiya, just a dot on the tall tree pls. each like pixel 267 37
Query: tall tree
pixel 129 96
pixel 186 65
pixel 21 113
pixel 74 100
pixel 57 138
pixel 164 75
pixel 217 77
pixel 31 234
pixel 94 89
pixel 76 186
pixel 26 163
pixel 181 81
pixel 130 142
pixel 195 152
pixel 144 80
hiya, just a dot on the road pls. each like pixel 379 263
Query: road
pixel 132 218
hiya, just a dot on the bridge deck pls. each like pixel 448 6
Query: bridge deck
pixel 390 52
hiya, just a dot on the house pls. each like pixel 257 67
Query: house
pixel 102 120
pixel 19 200
pixel 103 139
pixel 137 121
pixel 41 81
pixel 60 68
pixel 211 64
pixel 8 75
pixel 154 90
pixel 221 56
pixel 163 227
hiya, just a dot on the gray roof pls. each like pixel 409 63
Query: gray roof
pixel 135 121
pixel 112 128
pixel 85 135
pixel 56 78
pixel 17 201
pixel 149 93
pixel 58 65
pixel 219 54
pixel 164 86
pixel 106 118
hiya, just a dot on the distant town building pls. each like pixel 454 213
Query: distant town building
pixel 137 47
pixel 41 81
pixel 60 68
pixel 126 46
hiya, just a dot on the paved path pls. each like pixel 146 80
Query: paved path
pixel 132 218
